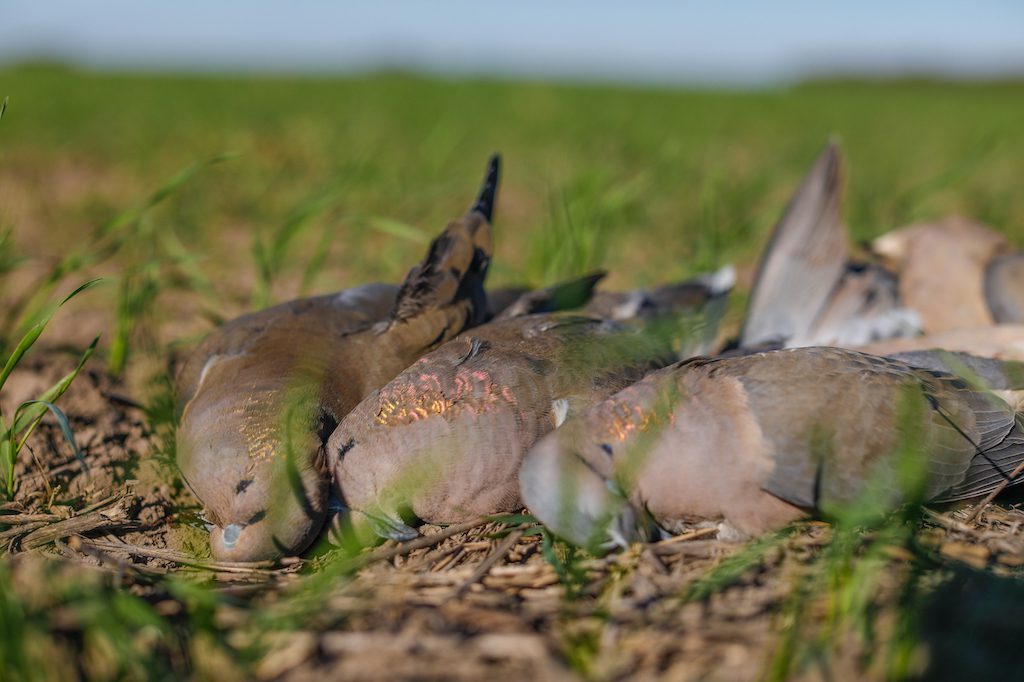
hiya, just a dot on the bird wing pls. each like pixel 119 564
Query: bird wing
pixel 845 418
pixel 456 264
pixel 804 259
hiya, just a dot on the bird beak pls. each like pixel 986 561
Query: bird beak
pixel 576 502
pixel 229 537
pixel 627 525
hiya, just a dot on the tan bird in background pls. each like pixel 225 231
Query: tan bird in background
pixel 263 393
pixel 756 442
pixel 943 267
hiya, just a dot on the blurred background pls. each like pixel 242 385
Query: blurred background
pixel 218 157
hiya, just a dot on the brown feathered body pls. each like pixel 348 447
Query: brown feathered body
pixel 445 438
pixel 758 441
pixel 263 393
pixel 942 267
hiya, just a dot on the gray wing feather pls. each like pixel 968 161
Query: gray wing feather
pixel 995 375
pixel 804 259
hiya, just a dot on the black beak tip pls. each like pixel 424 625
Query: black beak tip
pixel 489 192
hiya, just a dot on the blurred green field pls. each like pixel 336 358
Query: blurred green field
pixel 653 184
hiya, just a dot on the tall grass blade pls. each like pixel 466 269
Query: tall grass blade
pixel 162 192
pixel 54 392
pixel 316 264
pixel 62 421
pixel 270 256
pixel 36 330
pixel 396 228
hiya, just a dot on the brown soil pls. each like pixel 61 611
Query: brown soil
pixel 481 603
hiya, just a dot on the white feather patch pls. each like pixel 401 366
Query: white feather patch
pixel 559 411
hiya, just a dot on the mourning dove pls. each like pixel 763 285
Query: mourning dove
pixel 944 269
pixel 807 290
pixel 443 440
pixel 263 393
pixel 753 443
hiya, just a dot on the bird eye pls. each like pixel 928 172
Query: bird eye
pixel 607 448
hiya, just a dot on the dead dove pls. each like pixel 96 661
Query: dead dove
pixel 753 443
pixel 263 393
pixel 442 442
pixel 808 290
pixel 952 274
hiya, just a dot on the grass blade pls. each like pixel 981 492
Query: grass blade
pixel 162 192
pixel 396 228
pixel 62 421
pixel 55 391
pixel 34 332
pixel 270 257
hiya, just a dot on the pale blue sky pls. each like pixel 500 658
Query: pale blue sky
pixel 744 41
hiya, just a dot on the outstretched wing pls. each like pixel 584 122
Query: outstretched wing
pixel 804 259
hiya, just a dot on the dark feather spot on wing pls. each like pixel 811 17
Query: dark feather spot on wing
pixel 242 485
pixel 345 447
pixel 257 517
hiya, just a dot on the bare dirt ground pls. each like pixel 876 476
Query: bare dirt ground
pixel 490 600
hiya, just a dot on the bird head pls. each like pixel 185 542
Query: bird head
pixel 257 467
pixel 564 484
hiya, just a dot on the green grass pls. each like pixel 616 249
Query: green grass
pixel 652 184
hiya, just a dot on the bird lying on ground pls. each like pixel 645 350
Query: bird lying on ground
pixel 442 442
pixel 262 394
pixel 753 443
